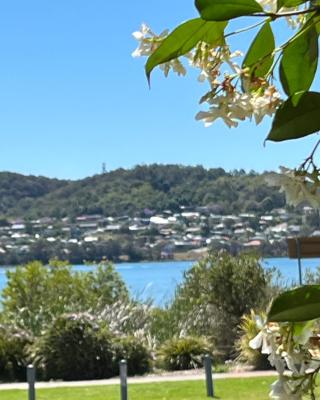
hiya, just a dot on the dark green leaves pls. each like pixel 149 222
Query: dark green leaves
pixel 302 304
pixel 293 121
pixel 221 10
pixel 299 62
pixel 184 38
pixel 259 57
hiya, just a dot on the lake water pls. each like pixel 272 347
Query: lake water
pixel 158 280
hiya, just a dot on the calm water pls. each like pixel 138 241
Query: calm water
pixel 158 280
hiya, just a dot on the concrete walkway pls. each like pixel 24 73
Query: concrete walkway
pixel 167 377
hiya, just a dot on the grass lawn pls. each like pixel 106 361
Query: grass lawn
pixel 226 389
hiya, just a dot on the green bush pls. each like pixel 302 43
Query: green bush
pixel 162 326
pixel 183 353
pixel 215 293
pixel 137 355
pixel 13 354
pixel 75 348
pixel 36 295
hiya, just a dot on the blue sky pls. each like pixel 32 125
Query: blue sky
pixel 72 97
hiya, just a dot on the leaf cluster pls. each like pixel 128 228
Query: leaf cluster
pixel 297 58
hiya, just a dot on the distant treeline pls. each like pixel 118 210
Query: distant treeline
pixel 111 250
pixel 129 192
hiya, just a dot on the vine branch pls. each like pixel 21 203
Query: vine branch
pixel 286 14
pixel 309 159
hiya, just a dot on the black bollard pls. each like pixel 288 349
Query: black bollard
pixel 31 378
pixel 123 379
pixel 208 371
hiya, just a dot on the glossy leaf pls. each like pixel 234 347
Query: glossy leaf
pixel 295 119
pixel 301 304
pixel 259 57
pixel 221 10
pixel 184 38
pixel 299 62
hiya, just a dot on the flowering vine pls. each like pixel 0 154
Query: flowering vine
pixel 292 348
pixel 247 86
pixel 274 80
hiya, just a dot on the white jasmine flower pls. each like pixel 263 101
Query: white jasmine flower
pixel 261 342
pixel 148 41
pixel 265 104
pixel 235 106
pixel 296 187
pixel 220 109
pixel 203 76
pixel 175 65
pixel 264 338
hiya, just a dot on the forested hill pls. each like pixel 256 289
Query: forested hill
pixel 129 192
pixel 19 192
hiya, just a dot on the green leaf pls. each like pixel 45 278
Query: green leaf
pixel 184 38
pixel 299 62
pixel 301 304
pixel 259 57
pixel 289 3
pixel 222 10
pixel 295 119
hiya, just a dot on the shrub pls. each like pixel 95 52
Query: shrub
pixel 183 353
pixel 36 295
pixel 137 355
pixel 216 293
pixel 126 317
pixel 162 327
pixel 13 354
pixel 75 348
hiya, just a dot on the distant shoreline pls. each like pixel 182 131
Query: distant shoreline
pixel 120 262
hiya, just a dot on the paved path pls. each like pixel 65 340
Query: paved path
pixel 173 377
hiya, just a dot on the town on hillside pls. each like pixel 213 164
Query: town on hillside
pixel 187 234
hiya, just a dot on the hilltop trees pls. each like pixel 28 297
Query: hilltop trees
pixel 129 192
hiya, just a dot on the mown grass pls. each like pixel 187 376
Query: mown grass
pixel 226 389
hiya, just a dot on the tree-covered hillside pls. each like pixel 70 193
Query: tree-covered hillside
pixel 19 191
pixel 129 192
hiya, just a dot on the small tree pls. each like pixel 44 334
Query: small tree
pixel 216 293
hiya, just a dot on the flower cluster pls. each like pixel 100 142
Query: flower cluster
pixel 293 22
pixel 299 185
pixel 227 99
pixel 149 42
pixel 236 106
pixel 291 351
pixel 255 99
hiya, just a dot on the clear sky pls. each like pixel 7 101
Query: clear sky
pixel 72 97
